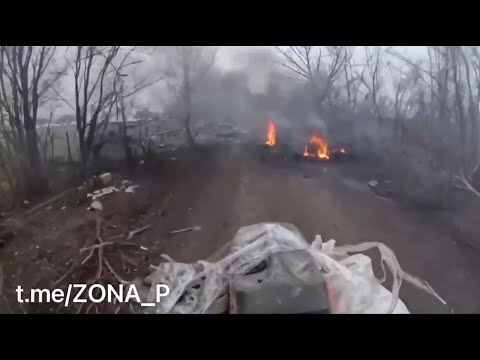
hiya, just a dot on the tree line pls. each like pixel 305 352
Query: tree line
pixel 101 82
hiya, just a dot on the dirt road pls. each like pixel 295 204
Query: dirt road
pixel 236 189
pixel 223 189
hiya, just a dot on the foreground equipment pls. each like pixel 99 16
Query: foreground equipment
pixel 271 268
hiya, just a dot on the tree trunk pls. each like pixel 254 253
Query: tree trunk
pixel 36 177
pixel 474 143
pixel 125 139
pixel 70 159
pixel 190 139
pixel 83 153
pixel 52 147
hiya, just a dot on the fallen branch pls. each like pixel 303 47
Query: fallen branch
pixel 49 201
pixel 465 184
pixel 117 277
pixel 69 272
pixel 93 247
pixel 107 243
pixel 88 257
pixel 132 233
pixel 195 228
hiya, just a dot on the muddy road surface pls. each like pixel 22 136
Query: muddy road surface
pixel 224 188
pixel 238 187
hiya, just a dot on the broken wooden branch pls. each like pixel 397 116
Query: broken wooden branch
pixel 49 201
pixel 465 184
pixel 115 275
pixel 69 272
pixel 107 243
pixel 132 233
pixel 88 257
pixel 194 228
pixel 97 246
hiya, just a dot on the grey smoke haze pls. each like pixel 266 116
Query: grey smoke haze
pixel 246 86
pixel 257 62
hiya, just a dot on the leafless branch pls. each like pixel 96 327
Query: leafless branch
pixel 465 184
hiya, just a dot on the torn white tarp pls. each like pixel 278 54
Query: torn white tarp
pixel 351 281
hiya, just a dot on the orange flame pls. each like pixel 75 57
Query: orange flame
pixel 322 148
pixel 270 134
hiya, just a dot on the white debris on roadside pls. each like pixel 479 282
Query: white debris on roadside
pixel 131 189
pixel 102 192
pixel 373 183
pixel 126 183
pixel 63 208
pixel 143 248
pixel 96 205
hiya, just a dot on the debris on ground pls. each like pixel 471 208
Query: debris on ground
pixel 96 205
pixel 194 228
pixel 106 179
pixel 126 183
pixel 131 189
pixel 381 188
pixel 106 258
pixel 132 233
pixel 102 192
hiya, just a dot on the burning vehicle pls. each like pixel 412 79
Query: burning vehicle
pixel 316 147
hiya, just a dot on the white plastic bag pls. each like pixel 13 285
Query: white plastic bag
pixel 350 278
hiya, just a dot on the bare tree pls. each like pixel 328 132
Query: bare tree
pixel 97 73
pixel 24 79
pixel 372 82
pixel 310 62
pixel 91 69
